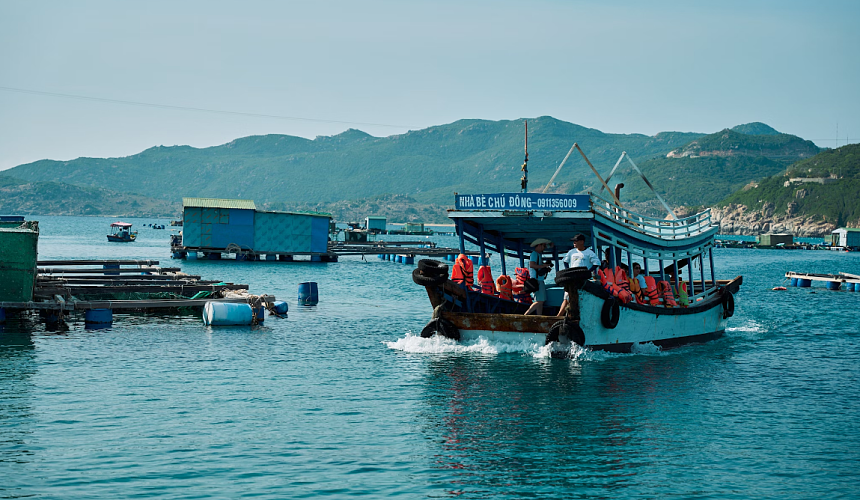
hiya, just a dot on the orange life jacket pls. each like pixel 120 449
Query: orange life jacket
pixel 623 285
pixel 519 294
pixel 651 291
pixel 505 287
pixel 665 290
pixel 616 283
pixel 462 273
pixel 485 278
pixel 636 290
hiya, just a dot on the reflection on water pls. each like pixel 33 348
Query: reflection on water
pixel 17 366
pixel 548 424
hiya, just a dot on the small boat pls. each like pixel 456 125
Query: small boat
pixel 676 254
pixel 121 231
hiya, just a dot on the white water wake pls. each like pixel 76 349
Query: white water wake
pixel 437 344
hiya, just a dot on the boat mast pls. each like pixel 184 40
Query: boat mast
pixel 524 181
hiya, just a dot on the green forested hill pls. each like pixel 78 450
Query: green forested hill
pixel 53 198
pixel 428 165
pixel 755 128
pixel 837 202
pixel 730 143
pixel 709 168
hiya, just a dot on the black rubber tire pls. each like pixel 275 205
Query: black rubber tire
pixel 554 332
pixel 610 313
pixel 575 277
pixel 728 304
pixel 430 267
pixel 422 280
pixel 441 327
pixel 575 334
pixel 531 285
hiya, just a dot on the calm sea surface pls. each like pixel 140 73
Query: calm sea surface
pixel 343 399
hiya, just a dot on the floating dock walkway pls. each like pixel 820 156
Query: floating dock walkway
pixel 850 282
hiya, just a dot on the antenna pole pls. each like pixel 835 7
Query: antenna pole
pixel 524 181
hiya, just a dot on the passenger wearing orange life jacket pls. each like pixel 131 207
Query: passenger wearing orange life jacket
pixel 462 274
pixel 505 287
pixel 638 285
pixel 651 291
pixel 485 278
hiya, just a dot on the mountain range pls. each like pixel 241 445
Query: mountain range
pixel 420 170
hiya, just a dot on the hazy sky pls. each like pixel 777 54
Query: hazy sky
pixel 386 67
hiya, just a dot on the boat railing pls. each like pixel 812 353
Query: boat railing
pixel 668 229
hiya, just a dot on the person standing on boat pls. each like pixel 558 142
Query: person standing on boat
pixel 578 256
pixel 540 270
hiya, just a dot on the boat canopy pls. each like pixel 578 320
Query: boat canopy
pixel 121 224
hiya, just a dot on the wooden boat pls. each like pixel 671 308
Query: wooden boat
pixel 506 223
pixel 678 252
pixel 121 231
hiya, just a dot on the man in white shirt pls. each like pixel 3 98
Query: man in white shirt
pixel 578 256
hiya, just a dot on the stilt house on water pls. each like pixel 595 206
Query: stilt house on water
pixel 214 226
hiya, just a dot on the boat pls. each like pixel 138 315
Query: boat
pixel 677 253
pixel 121 231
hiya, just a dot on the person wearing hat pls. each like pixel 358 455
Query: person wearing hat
pixel 540 269
pixel 578 256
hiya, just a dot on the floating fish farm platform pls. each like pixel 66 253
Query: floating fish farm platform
pixel 848 282
pixel 124 285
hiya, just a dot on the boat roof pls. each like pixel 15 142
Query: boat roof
pixel 120 224
pixel 218 203
pixel 520 218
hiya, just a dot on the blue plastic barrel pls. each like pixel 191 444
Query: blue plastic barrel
pixel 834 285
pixel 111 266
pixel 409 260
pixel 98 316
pixel 851 287
pixel 280 307
pixel 804 283
pixel 191 256
pixel 226 314
pixel 380 256
pixel 793 281
pixel 308 293
pixel 2 315
pixel 398 259
pixel 213 255
pixel 450 257
pixel 476 261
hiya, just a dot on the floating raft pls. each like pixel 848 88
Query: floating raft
pixel 67 286
pixel 850 282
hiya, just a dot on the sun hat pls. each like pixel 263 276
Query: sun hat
pixel 540 241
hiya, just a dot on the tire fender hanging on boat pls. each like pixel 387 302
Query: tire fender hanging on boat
pixel 610 313
pixel 569 329
pixel 728 304
pixel 422 280
pixel 442 327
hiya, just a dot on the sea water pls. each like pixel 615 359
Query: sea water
pixel 344 399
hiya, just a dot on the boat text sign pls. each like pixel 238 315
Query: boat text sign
pixel 521 201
